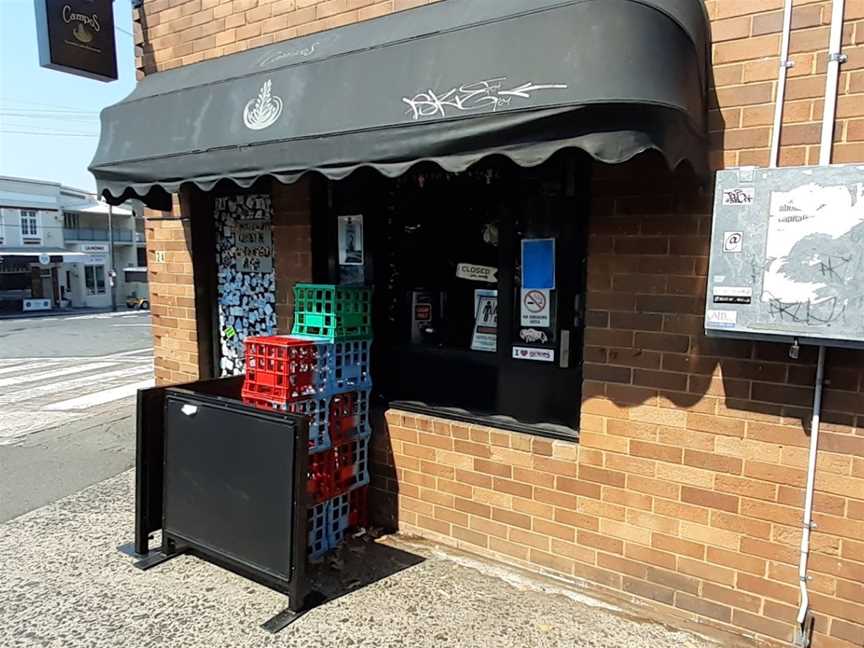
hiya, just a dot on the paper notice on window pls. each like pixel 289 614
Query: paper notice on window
pixel 351 240
pixel 538 264
pixel 254 246
pixel 485 337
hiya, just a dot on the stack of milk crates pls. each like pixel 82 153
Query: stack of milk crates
pixel 321 371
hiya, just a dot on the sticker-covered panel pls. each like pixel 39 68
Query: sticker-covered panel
pixel 246 282
pixel 787 255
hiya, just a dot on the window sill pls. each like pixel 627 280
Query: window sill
pixel 545 430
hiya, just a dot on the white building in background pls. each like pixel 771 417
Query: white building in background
pixel 61 247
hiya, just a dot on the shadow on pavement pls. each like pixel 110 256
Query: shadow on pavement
pixel 358 562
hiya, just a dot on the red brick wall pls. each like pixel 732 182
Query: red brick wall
pixel 172 297
pixel 746 57
pixel 687 484
pixel 292 242
pixel 686 487
pixel 171 33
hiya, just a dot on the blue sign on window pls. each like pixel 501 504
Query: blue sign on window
pixel 538 264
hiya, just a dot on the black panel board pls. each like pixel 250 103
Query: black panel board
pixel 230 481
pixel 150 442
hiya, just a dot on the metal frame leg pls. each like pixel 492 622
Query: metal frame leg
pixel 170 549
pixel 289 615
pixel 153 559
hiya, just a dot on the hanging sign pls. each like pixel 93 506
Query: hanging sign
pixel 473 272
pixel 350 240
pixel 485 336
pixel 77 37
pixel 254 246
pixel 535 307
pixel 538 264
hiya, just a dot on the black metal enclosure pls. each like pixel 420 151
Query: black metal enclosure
pixel 225 482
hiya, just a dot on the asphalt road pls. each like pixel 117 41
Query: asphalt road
pixel 67 387
pixel 74 335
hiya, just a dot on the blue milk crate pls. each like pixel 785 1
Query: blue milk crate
pixel 318 517
pixel 337 519
pixel 317 411
pixel 342 366
pixel 348 365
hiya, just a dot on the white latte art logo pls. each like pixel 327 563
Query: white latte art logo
pixel 263 110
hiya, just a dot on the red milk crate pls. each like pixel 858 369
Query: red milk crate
pixel 352 465
pixel 280 368
pixel 348 417
pixel 358 516
pixel 320 485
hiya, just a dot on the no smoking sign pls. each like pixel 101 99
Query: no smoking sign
pixel 535 301
pixel 535 308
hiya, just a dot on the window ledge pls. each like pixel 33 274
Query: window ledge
pixel 545 430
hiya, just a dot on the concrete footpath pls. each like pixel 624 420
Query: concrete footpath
pixel 64 584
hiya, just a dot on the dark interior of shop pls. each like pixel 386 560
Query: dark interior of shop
pixel 437 244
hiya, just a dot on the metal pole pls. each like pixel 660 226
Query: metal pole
pixel 785 64
pixel 808 496
pixel 835 58
pixel 112 273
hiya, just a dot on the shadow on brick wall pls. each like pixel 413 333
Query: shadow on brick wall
pixel 645 343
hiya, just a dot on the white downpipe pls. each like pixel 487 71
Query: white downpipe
pixel 835 58
pixel 785 64
pixel 811 480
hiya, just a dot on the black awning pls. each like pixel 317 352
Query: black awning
pixel 451 82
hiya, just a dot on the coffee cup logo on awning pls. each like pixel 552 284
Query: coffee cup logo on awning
pixel 263 110
pixel 83 24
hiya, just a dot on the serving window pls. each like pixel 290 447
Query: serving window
pixel 478 280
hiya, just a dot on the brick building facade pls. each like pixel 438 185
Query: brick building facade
pixel 686 485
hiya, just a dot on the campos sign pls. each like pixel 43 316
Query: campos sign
pixel 77 36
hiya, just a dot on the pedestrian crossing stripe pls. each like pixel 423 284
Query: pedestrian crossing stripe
pixel 55 373
pixel 10 397
pixel 100 397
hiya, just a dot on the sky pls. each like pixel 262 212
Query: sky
pixel 49 121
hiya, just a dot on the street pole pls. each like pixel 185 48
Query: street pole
pixel 112 274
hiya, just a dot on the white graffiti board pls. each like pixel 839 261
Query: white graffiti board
pixel 788 262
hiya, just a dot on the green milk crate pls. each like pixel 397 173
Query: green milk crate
pixel 332 312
